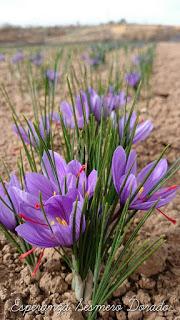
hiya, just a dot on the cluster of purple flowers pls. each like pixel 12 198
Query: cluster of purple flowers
pixel 62 193
pixel 102 106
pixel 30 135
pixel 91 102
pixel 133 79
pixel 127 182
pixel 52 75
pixel 18 57
pixel 51 203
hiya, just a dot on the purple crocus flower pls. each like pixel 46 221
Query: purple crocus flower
pixel 142 130
pixel 30 135
pixel 91 60
pixel 52 75
pixel 62 226
pixel 63 209
pixel 81 109
pixel 125 177
pixel 18 57
pixel 66 178
pixel 2 57
pixel 8 212
pixel 133 79
pixel 105 105
pixel 57 230
pixel 36 59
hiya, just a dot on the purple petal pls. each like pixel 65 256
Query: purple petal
pixel 129 187
pixel 155 176
pixel 118 166
pixel 67 114
pixel 91 183
pixel 7 217
pixel 142 131
pixel 131 166
pixel 59 164
pixel 36 183
pixel 74 167
pixel 36 235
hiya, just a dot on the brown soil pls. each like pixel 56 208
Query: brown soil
pixel 158 279
pixel 78 34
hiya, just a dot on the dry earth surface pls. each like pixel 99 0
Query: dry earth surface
pixel 158 279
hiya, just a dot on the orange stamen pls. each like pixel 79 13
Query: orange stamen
pixel 167 217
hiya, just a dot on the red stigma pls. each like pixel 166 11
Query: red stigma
pixel 37 206
pixel 26 254
pixel 172 187
pixel 83 168
pixel 167 217
pixel 23 216
pixel 38 263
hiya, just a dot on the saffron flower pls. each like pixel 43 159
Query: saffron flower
pixel 142 131
pixel 67 178
pixel 126 182
pixel 57 229
pixel 133 79
pixel 30 135
pixel 92 60
pixel 81 109
pixel 90 102
pixel 10 205
pixel 52 75
pixel 36 59
pixel 105 105
pixel 18 57
pixel 2 57
pixel 62 194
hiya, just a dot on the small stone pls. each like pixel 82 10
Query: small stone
pixel 3 294
pixel 51 284
pixel 68 278
pixel 122 289
pixel 104 314
pixel 127 298
pixel 68 315
pixel 69 296
pixel 7 248
pixel 52 265
pixel 135 315
pixel 26 276
pixel 39 317
pixel 7 258
pixel 155 264
pixel 34 290
pixel 143 297
pixel 28 317
pixel 121 315
pixel 147 283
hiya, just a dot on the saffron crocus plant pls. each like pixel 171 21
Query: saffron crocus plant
pixel 9 205
pixel 30 135
pixel 140 188
pixel 84 201
pixel 142 130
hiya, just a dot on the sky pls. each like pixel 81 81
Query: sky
pixel 63 12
